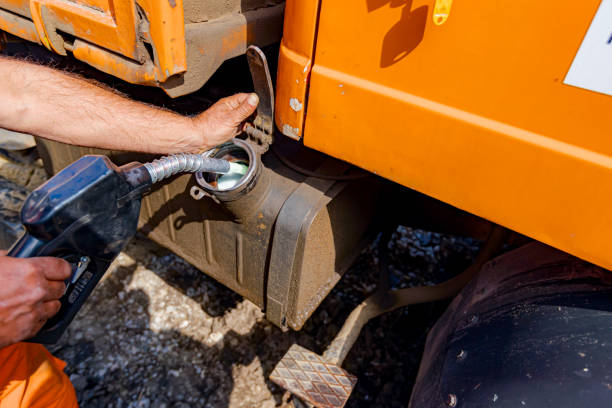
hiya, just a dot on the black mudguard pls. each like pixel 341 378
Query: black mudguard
pixel 534 329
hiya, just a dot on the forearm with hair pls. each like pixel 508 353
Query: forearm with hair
pixel 48 103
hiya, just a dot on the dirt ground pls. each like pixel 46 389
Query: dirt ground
pixel 157 332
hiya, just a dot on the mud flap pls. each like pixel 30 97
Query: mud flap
pixel 533 329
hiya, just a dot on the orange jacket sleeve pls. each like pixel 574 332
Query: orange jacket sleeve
pixel 30 377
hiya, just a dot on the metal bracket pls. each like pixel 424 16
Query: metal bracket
pixel 261 130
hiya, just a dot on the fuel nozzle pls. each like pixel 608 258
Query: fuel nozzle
pixel 93 194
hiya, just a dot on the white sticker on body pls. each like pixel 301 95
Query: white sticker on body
pixel 592 66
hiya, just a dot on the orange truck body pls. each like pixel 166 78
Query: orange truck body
pixel 474 111
pixel 470 102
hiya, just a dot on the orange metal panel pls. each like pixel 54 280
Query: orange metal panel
pixel 167 32
pixel 19 26
pixel 295 63
pixel 20 7
pixel 96 4
pixel 112 30
pixel 473 111
pixel 113 64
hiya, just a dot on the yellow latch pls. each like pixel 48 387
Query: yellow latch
pixel 441 11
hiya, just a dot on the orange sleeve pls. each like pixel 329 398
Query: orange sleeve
pixel 30 377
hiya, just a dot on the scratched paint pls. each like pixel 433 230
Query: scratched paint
pixel 291 131
pixel 441 11
pixel 295 104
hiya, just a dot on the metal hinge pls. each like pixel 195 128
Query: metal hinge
pixel 261 131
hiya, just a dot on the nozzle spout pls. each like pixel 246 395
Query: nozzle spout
pixel 168 166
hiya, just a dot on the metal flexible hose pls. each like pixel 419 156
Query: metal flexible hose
pixel 168 166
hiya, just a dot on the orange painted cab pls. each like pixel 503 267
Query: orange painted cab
pixel 499 108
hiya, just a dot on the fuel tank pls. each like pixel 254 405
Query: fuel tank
pixel 280 238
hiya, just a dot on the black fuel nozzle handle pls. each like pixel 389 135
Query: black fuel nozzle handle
pixel 29 247
pixel 85 214
pixel 78 286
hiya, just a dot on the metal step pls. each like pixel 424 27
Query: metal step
pixel 308 376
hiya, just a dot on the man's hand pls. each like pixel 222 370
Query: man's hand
pixel 224 120
pixel 29 293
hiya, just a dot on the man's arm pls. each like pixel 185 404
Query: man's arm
pixel 48 103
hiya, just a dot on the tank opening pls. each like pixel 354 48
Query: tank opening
pixel 243 162
pixel 228 181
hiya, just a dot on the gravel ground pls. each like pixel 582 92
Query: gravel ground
pixel 157 332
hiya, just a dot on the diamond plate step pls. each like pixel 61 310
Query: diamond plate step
pixel 307 375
